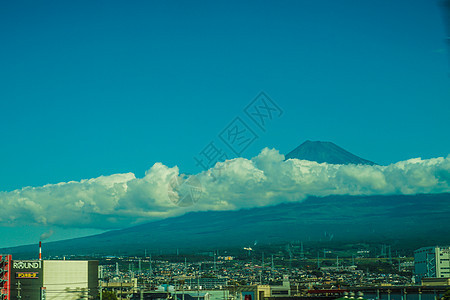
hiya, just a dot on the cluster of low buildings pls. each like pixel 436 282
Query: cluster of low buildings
pixel 225 278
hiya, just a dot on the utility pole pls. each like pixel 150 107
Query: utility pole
pixel 302 253
pixel 18 290
pixel 272 264
pixel 167 289
pixel 390 257
pixel 182 297
pixel 198 280
pixel 120 287
pixel 175 290
pixel 151 270
pixel 214 263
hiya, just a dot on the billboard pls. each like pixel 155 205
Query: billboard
pixel 26 279
pixel 32 275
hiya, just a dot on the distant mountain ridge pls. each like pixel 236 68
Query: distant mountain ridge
pixel 419 219
pixel 326 152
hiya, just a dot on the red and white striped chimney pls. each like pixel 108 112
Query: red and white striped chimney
pixel 40 250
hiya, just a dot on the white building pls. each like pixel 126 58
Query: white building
pixel 70 279
pixel 432 262
pixel 52 279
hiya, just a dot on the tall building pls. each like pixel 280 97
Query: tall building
pixel 5 277
pixel 48 279
pixel 432 262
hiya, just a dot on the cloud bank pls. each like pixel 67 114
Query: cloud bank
pixel 121 200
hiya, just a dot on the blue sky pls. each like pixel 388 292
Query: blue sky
pixel 92 88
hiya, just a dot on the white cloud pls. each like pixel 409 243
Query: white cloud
pixel 122 199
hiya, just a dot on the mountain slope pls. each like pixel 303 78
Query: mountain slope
pixel 326 152
pixel 415 218
pixel 418 219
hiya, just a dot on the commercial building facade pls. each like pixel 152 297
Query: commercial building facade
pixel 70 279
pixel 432 262
pixel 27 279
pixel 48 279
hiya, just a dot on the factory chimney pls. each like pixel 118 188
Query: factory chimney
pixel 40 250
